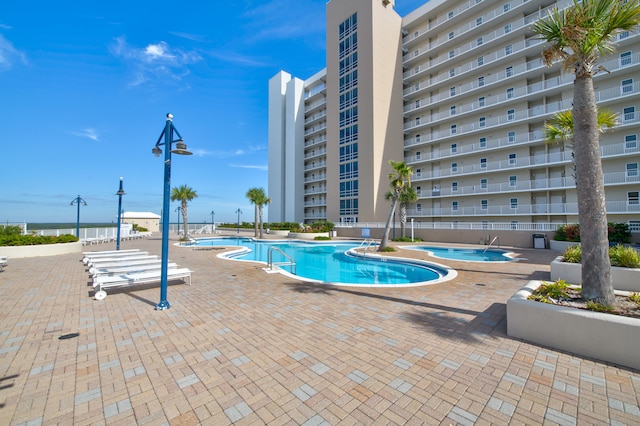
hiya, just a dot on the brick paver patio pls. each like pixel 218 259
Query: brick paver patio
pixel 241 346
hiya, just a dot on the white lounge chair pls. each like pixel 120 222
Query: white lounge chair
pixel 96 253
pixel 120 264
pixel 129 269
pixel 3 262
pixel 86 259
pixel 99 261
pixel 102 283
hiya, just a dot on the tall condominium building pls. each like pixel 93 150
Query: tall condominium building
pixel 456 89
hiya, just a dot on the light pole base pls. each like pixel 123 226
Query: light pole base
pixel 163 305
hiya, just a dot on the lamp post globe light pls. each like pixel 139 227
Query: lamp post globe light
pixel 77 201
pixel 120 193
pixel 180 149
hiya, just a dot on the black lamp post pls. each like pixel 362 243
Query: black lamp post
pixel 77 201
pixel 120 193
pixel 180 149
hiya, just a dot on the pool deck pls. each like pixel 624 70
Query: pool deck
pixel 241 346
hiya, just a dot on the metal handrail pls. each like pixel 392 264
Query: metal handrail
pixel 271 263
pixel 368 243
pixel 492 241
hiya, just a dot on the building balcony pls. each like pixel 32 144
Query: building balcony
pixel 316 203
pixel 315 166
pixel 315 178
pixel 315 153
pixel 315 117
pixel 319 190
pixel 613 207
pixel 550 184
pixel 315 129
pixel 316 104
pixel 316 140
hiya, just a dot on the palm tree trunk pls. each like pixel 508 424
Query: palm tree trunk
pixel 255 221
pixel 592 213
pixel 260 214
pixel 387 227
pixel 403 218
pixel 184 219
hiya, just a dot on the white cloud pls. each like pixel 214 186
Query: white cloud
pixel 9 54
pixel 88 133
pixel 155 62
pixel 249 166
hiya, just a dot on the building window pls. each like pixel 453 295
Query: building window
pixel 454 129
pixel 479 41
pixel 629 114
pixel 625 58
pixel 419 190
pixel 480 61
pixel 454 167
pixel 511 137
pixel 483 163
pixel 506 7
pixel 454 148
pixel 627 86
pixel 483 142
pixel 514 203
pixel 514 225
pixel 417 121
pixel 452 72
pixel 511 114
pixel 513 180
pixel 418 138
pixel 416 53
pixel 419 207
pixel 507 28
pixel 450 14
pixel 452 110
pixel 623 35
pixel 418 173
pixel 452 53
pixel 484 204
pixel 482 121
pixel 480 81
pixel 632 169
pixel 632 198
pixel 418 155
pixel 485 224
pixel 508 71
pixel 417 103
pixel 452 91
pixel 416 87
pixel 451 35
pixel 454 205
pixel 454 186
pixel 630 142
pixel 481 101
pixel 479 21
pixel 513 159
pixel 508 49
pixel 483 184
pixel 510 93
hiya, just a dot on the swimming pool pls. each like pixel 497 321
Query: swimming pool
pixel 334 263
pixel 465 254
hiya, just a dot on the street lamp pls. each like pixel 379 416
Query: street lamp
pixel 213 220
pixel 180 149
pixel 77 201
pixel 120 193
pixel 239 213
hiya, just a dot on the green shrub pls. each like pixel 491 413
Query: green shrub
pixel 33 240
pixel 388 249
pixel 635 297
pixel 573 254
pixel 598 307
pixel 624 256
pixel 555 290
pixel 406 240
pixel 10 230
pixel 619 233
pixel 568 232
pixel 322 238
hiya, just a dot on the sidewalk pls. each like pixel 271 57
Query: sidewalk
pixel 241 346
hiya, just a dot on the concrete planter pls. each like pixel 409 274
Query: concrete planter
pixel 307 235
pixel 41 250
pixel 627 279
pixel 561 245
pixel 607 337
pixel 279 232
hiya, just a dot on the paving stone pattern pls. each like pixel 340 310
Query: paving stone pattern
pixel 241 346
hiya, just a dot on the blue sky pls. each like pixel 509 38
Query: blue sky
pixel 85 88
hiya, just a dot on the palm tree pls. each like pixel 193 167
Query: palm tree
pixel 259 199
pixel 398 179
pixel 559 128
pixel 184 194
pixel 577 36
pixel 407 196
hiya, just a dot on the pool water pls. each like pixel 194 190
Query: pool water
pixel 465 254
pixel 330 262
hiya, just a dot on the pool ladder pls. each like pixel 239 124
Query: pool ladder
pixel 291 261
pixel 492 241
pixel 366 244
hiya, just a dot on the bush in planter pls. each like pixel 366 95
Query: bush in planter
pixel 621 256
pixel 33 240
pixel 568 232
pixel 618 233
